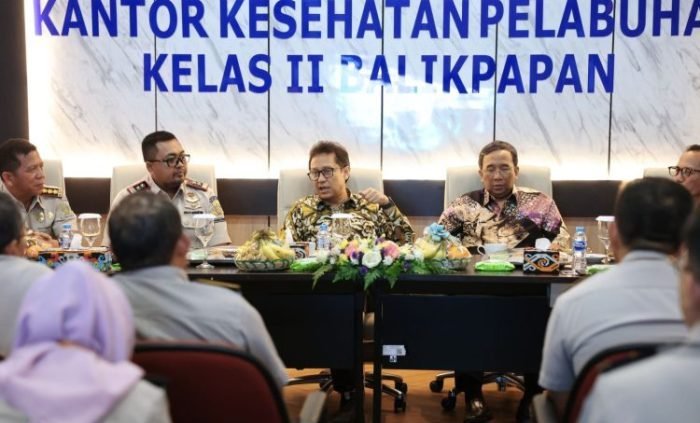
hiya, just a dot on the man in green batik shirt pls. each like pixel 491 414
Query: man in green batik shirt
pixel 373 213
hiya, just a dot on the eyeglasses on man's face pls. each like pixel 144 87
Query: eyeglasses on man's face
pixel 327 173
pixel 685 171
pixel 172 161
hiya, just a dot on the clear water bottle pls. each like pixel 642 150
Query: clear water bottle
pixel 578 249
pixel 323 238
pixel 66 236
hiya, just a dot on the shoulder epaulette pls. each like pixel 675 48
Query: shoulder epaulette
pixel 51 191
pixel 139 186
pixel 196 184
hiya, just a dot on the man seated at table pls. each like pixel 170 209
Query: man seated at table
pixel 687 171
pixel 17 273
pixel 166 163
pixel 44 209
pixel 501 212
pixel 150 246
pixel 373 215
pixel 628 394
pixel 635 301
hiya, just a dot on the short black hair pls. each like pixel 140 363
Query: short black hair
pixel 148 145
pixel 693 147
pixel 327 147
pixel 650 214
pixel 691 239
pixel 497 146
pixel 11 150
pixel 144 229
pixel 11 226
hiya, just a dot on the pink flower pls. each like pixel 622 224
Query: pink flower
pixel 390 249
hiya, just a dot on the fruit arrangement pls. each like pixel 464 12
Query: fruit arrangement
pixel 437 244
pixel 264 246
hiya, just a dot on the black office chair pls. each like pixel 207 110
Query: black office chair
pixel 503 380
pixel 398 391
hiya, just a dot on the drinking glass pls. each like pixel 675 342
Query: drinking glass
pixel 604 234
pixel 340 227
pixel 204 231
pixel 90 227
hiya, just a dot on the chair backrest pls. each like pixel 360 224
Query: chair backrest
pixel 463 179
pixel 125 175
pixel 657 172
pixel 602 362
pixel 53 171
pixel 211 383
pixel 293 184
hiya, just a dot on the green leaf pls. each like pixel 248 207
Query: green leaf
pixel 372 276
pixel 318 273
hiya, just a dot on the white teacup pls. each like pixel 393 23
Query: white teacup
pixel 493 251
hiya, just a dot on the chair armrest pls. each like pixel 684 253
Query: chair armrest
pixel 314 408
pixel 543 409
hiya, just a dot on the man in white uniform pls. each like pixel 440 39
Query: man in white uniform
pixel 634 302
pixel 166 163
pixel 43 208
pixel 663 388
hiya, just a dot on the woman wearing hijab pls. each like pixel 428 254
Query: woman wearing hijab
pixel 69 361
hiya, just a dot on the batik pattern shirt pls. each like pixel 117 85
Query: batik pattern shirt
pixel 369 220
pixel 527 214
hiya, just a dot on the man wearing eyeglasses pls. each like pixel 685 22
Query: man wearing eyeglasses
pixel 501 212
pixel 374 214
pixel 166 163
pixel 687 172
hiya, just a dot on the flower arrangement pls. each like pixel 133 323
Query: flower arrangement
pixel 368 260
pixel 372 259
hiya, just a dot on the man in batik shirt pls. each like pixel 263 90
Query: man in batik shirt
pixel 501 213
pixel 373 215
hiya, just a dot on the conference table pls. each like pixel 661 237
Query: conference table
pixel 465 320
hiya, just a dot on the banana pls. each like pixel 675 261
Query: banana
pixel 269 252
pixel 282 252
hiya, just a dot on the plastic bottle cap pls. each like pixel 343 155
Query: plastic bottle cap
pixel 580 228
pixel 67 226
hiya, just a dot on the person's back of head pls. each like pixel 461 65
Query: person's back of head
pixel 144 230
pixel 11 227
pixel 650 214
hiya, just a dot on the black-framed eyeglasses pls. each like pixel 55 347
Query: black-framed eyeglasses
pixel 685 171
pixel 327 173
pixel 173 161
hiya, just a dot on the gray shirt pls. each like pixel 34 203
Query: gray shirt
pixel 663 388
pixel 192 198
pixel 17 274
pixel 144 403
pixel 635 301
pixel 47 212
pixel 168 306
